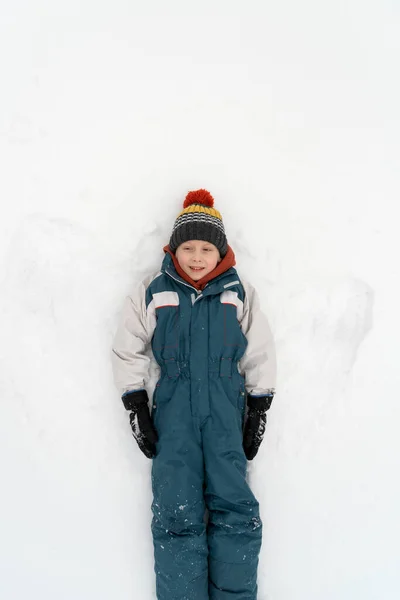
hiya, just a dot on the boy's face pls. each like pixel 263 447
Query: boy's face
pixel 197 258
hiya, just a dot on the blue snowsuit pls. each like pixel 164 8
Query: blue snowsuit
pixel 198 412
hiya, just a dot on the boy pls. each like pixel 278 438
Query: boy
pixel 215 348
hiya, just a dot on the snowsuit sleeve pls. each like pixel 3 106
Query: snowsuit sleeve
pixel 130 356
pixel 258 364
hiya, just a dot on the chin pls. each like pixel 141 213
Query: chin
pixel 197 276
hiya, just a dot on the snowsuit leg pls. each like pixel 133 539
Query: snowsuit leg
pixel 235 527
pixel 178 526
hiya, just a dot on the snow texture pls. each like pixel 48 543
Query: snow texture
pixel 288 113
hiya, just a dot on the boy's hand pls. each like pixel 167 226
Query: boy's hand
pixel 142 425
pixel 256 421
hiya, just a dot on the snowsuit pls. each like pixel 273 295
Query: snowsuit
pixel 212 346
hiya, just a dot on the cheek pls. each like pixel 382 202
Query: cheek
pixel 181 260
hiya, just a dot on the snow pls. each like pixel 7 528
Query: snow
pixel 288 114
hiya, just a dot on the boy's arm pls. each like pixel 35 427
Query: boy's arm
pixel 258 364
pixel 130 362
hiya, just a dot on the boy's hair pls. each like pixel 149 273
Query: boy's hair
pixel 199 221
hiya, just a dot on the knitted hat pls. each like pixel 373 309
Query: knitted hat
pixel 199 221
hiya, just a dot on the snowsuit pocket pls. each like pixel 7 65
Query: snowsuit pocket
pixel 235 392
pixel 165 341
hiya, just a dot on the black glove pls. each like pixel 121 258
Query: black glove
pixel 142 425
pixel 256 421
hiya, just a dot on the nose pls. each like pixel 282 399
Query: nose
pixel 197 257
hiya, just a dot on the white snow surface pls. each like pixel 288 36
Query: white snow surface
pixel 288 113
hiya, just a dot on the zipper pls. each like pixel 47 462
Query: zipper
pixel 184 282
pixel 188 284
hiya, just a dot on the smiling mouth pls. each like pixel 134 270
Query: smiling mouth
pixel 197 268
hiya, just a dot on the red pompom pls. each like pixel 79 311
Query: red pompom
pixel 199 197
